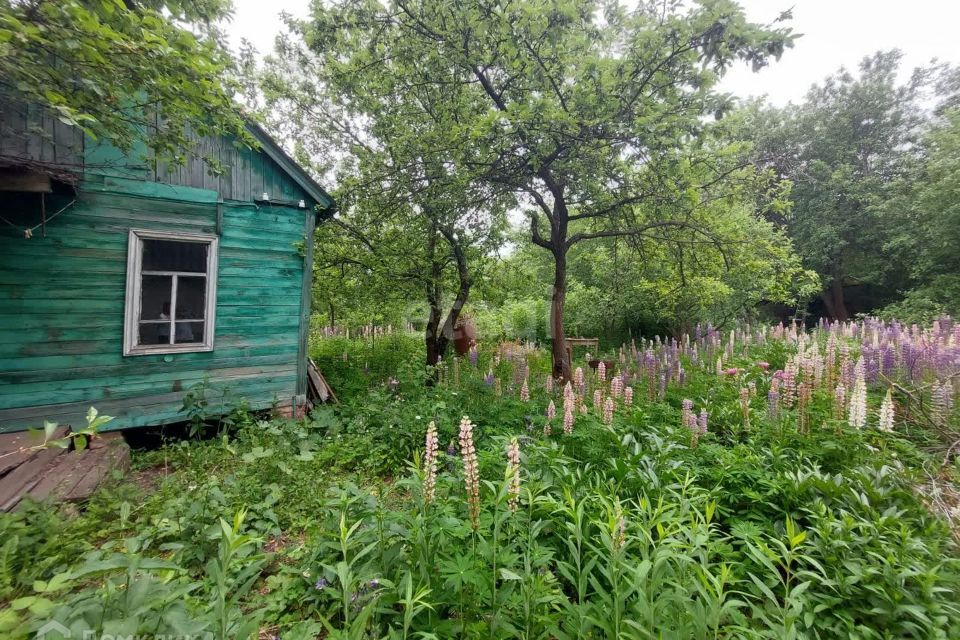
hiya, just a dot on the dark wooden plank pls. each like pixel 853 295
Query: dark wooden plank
pixel 16 448
pixel 62 477
pixel 100 461
pixel 21 480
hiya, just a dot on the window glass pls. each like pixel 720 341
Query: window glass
pixel 170 255
pixel 191 297
pixel 155 296
pixel 154 333
pixel 187 332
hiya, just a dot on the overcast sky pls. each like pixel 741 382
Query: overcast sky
pixel 835 33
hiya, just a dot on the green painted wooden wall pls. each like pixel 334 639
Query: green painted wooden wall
pixel 62 296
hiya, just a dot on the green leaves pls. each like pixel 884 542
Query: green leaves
pixel 117 69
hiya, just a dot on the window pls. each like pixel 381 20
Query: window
pixel 171 292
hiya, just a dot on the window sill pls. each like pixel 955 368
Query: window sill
pixel 159 350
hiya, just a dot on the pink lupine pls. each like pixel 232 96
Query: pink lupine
pixel 839 401
pixel 687 417
pixel 513 470
pixel 525 391
pixel 628 396
pixel 430 463
pixel 578 376
pixel 548 384
pixel 547 429
pixel 471 471
pixel 616 386
pixel 568 421
pixel 702 422
pixel 551 411
pixel 608 411
pixel 602 371
pixel 597 398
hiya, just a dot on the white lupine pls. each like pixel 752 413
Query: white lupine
pixel 887 412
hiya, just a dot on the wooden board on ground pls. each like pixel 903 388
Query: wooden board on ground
pixel 61 474
pixel 15 448
pixel 25 477
pixel 318 387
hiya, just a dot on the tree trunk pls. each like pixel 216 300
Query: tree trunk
pixel 834 301
pixel 561 360
pixel 435 302
pixel 463 273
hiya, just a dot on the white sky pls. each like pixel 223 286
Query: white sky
pixel 835 33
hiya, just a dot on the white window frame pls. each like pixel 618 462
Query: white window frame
pixel 132 306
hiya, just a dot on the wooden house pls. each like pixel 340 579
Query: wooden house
pixel 123 285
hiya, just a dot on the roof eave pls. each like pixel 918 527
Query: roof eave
pixel 276 153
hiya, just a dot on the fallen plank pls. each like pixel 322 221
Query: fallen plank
pixel 21 480
pixel 16 448
pixel 100 461
pixel 62 476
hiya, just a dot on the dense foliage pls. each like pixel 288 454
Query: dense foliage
pixel 711 487
pixel 139 72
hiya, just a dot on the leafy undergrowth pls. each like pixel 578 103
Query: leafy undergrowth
pixel 769 516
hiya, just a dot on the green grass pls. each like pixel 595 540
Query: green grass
pixel 320 528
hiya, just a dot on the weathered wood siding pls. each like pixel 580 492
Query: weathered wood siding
pixel 62 297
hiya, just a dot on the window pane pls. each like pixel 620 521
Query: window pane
pixel 155 294
pixel 169 255
pixel 189 332
pixel 191 297
pixel 154 333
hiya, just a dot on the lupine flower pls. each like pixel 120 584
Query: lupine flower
pixel 608 411
pixel 602 371
pixel 471 472
pixel 803 399
pixel 597 398
pixel 374 583
pixel 839 401
pixel 551 411
pixel 764 365
pixel 616 386
pixel 578 376
pixel 548 383
pixel 620 530
pixel 547 429
pixel 941 402
pixel 628 396
pixel 886 412
pixel 719 367
pixel 513 470
pixel 687 417
pixel 321 584
pixel 474 355
pixel 525 391
pixel 773 403
pixel 745 406
pixel 857 414
pixel 430 463
pixel 702 422
pixel 489 378
pixel 568 421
